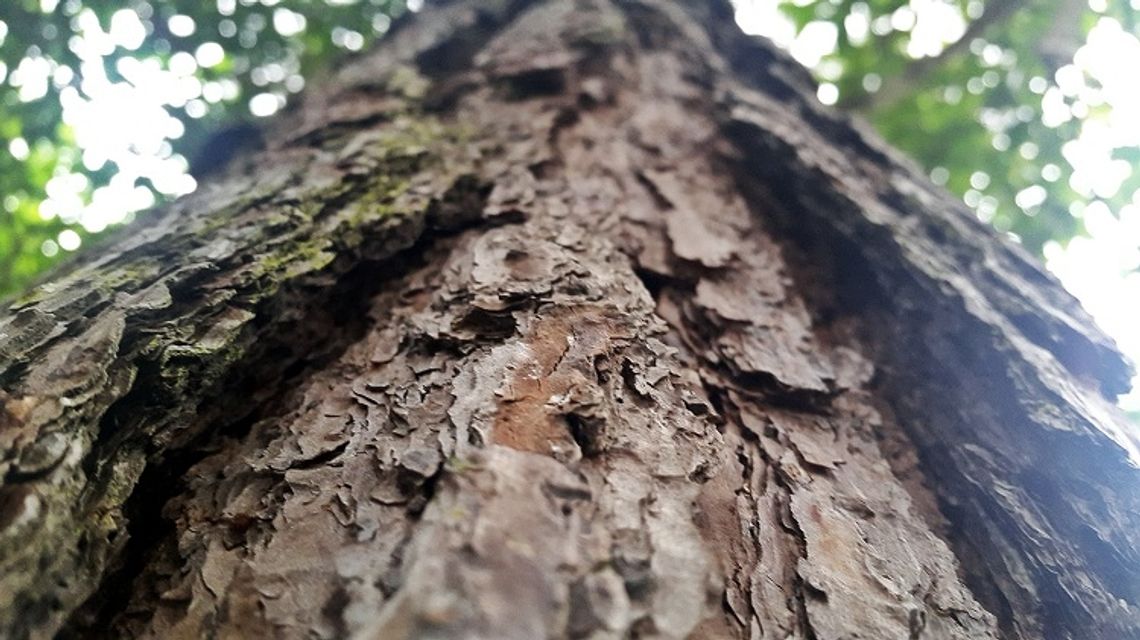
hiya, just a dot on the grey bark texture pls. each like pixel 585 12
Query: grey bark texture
pixel 567 319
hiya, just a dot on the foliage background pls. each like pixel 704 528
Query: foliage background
pixel 208 65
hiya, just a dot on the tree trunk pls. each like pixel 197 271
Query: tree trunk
pixel 564 319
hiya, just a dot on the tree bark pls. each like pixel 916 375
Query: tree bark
pixel 564 319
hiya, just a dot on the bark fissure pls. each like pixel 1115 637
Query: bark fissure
pixel 962 382
pixel 955 403
pixel 283 359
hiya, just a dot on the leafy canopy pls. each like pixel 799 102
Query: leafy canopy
pixel 1008 111
pixel 103 101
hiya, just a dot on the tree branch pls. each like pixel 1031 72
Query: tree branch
pixel 897 86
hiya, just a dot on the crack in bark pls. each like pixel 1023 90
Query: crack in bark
pixel 334 320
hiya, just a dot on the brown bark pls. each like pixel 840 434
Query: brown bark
pixel 564 319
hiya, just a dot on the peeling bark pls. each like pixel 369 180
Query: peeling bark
pixel 564 319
